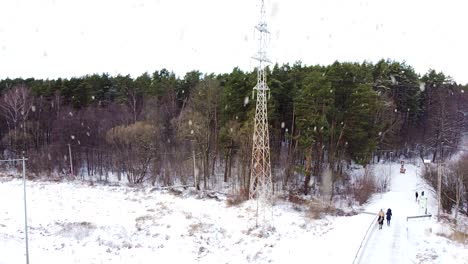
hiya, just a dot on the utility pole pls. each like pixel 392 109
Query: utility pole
pixel 195 168
pixel 71 161
pixel 439 188
pixel 25 211
pixel 23 160
pixel 260 179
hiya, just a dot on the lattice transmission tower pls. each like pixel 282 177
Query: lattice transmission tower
pixel 261 186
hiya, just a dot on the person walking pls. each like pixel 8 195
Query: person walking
pixel 380 218
pixel 389 216
pixel 416 196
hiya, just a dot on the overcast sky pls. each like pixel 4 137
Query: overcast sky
pixel 65 38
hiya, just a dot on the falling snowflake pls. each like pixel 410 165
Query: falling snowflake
pixel 190 122
pixel 246 100
pixel 282 124
pixel 422 86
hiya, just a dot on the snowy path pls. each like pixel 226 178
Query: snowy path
pixel 389 245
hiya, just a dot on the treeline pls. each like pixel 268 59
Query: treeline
pixel 165 129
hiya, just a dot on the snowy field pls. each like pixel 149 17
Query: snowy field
pixel 78 223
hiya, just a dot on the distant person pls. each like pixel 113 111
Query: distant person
pixel 416 196
pixel 380 218
pixel 422 193
pixel 389 216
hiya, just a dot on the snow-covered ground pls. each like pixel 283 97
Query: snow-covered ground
pixel 78 223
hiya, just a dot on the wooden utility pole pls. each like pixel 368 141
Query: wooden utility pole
pixel 25 203
pixel 71 161
pixel 25 211
pixel 439 188
pixel 195 170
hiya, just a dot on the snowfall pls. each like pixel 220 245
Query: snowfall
pixel 73 222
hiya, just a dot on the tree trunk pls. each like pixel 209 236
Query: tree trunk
pixel 226 161
pixel 206 170
pixel 308 171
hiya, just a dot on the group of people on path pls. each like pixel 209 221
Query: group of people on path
pixel 381 217
pixel 381 214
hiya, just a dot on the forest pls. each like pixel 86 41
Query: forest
pixel 163 130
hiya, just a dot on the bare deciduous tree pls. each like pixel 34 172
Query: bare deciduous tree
pixel 16 105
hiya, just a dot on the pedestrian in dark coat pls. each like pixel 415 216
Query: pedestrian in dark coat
pixel 380 219
pixel 389 216
pixel 416 196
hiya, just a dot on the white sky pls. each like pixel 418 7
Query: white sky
pixel 65 38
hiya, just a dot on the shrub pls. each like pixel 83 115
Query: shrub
pixel 364 187
pixel 238 198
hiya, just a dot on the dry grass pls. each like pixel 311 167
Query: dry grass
pixel 460 237
pixel 195 228
pixel 141 221
pixel 314 209
pixel 162 206
pixel 295 199
pixel 456 236
pixel 317 210
pixel 188 215
pixel 238 198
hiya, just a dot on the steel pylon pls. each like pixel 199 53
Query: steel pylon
pixel 261 186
